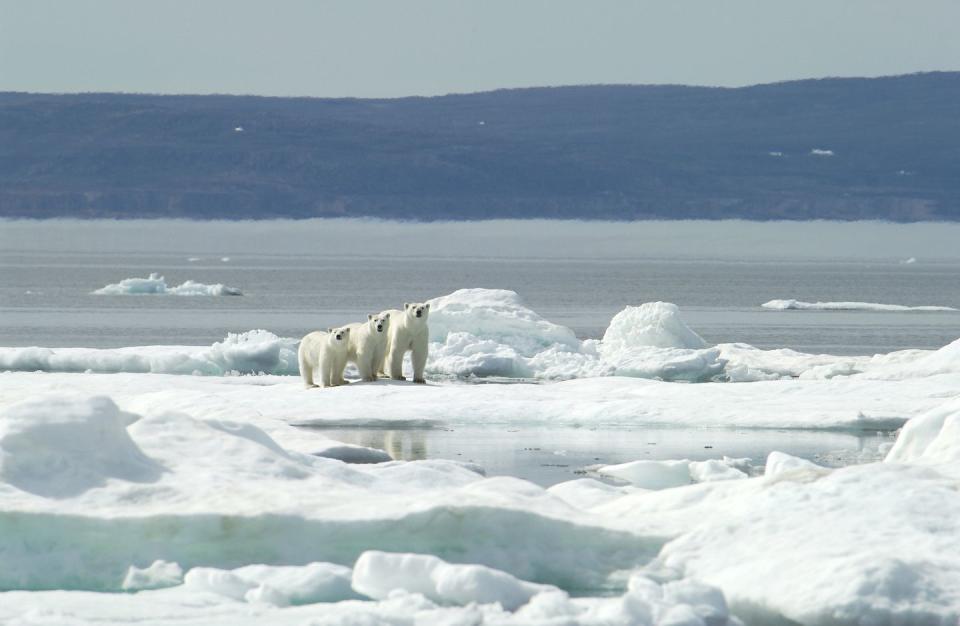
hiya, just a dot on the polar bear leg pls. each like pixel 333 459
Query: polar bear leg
pixel 376 363
pixel 365 365
pixel 419 358
pixel 395 361
pixel 339 364
pixel 306 371
pixel 326 371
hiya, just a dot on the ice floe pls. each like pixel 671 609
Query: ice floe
pixel 263 531
pixel 199 496
pixel 797 305
pixel 674 473
pixel 156 285
pixel 490 333
pixel 251 352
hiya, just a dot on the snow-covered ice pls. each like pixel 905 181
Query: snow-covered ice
pixel 179 499
pixel 490 333
pixel 798 305
pixel 648 474
pixel 155 284
pixel 260 529
pixel 252 352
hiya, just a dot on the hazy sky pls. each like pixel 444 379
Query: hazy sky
pixel 426 47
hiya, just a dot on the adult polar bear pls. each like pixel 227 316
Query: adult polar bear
pixel 408 331
pixel 368 344
pixel 326 352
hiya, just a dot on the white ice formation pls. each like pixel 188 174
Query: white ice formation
pixel 797 305
pixel 156 285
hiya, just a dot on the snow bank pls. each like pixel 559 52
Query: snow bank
pixel 156 285
pixel 68 447
pixel 784 305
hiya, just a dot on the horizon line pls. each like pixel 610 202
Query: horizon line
pixel 5 92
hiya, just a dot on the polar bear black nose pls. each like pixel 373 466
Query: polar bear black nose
pixel 339 336
pixel 379 328
pixel 419 313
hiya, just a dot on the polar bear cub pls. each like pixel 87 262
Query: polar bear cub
pixel 408 331
pixel 326 352
pixel 368 344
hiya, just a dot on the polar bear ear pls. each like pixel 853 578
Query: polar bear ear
pixel 369 316
pixel 386 316
pixel 329 330
pixel 406 305
pixel 427 305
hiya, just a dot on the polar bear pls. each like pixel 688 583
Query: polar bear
pixel 368 344
pixel 324 351
pixel 408 331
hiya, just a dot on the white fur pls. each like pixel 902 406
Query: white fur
pixel 368 344
pixel 407 332
pixel 323 351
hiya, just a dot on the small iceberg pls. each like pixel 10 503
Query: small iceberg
pixel 156 285
pixel 797 305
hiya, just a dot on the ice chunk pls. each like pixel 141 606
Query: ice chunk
pixel 675 473
pixel 932 438
pixel 651 341
pixel 377 574
pixel 651 474
pixel 158 575
pixel 155 284
pixel 781 464
pixel 498 315
pixel 653 324
pixel 221 582
pixel 354 454
pixel 713 469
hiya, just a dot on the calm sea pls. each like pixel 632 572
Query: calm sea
pixel 580 278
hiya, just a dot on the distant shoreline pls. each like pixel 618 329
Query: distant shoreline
pixel 839 148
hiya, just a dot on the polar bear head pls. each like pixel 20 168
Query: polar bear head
pixel 379 322
pixel 339 338
pixel 417 311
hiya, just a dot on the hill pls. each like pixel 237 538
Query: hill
pixel 880 148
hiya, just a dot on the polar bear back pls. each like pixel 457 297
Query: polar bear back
pixel 312 345
pixel 362 338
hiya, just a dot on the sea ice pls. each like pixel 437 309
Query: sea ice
pixel 261 528
pixel 783 305
pixel 648 474
pixel 156 284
